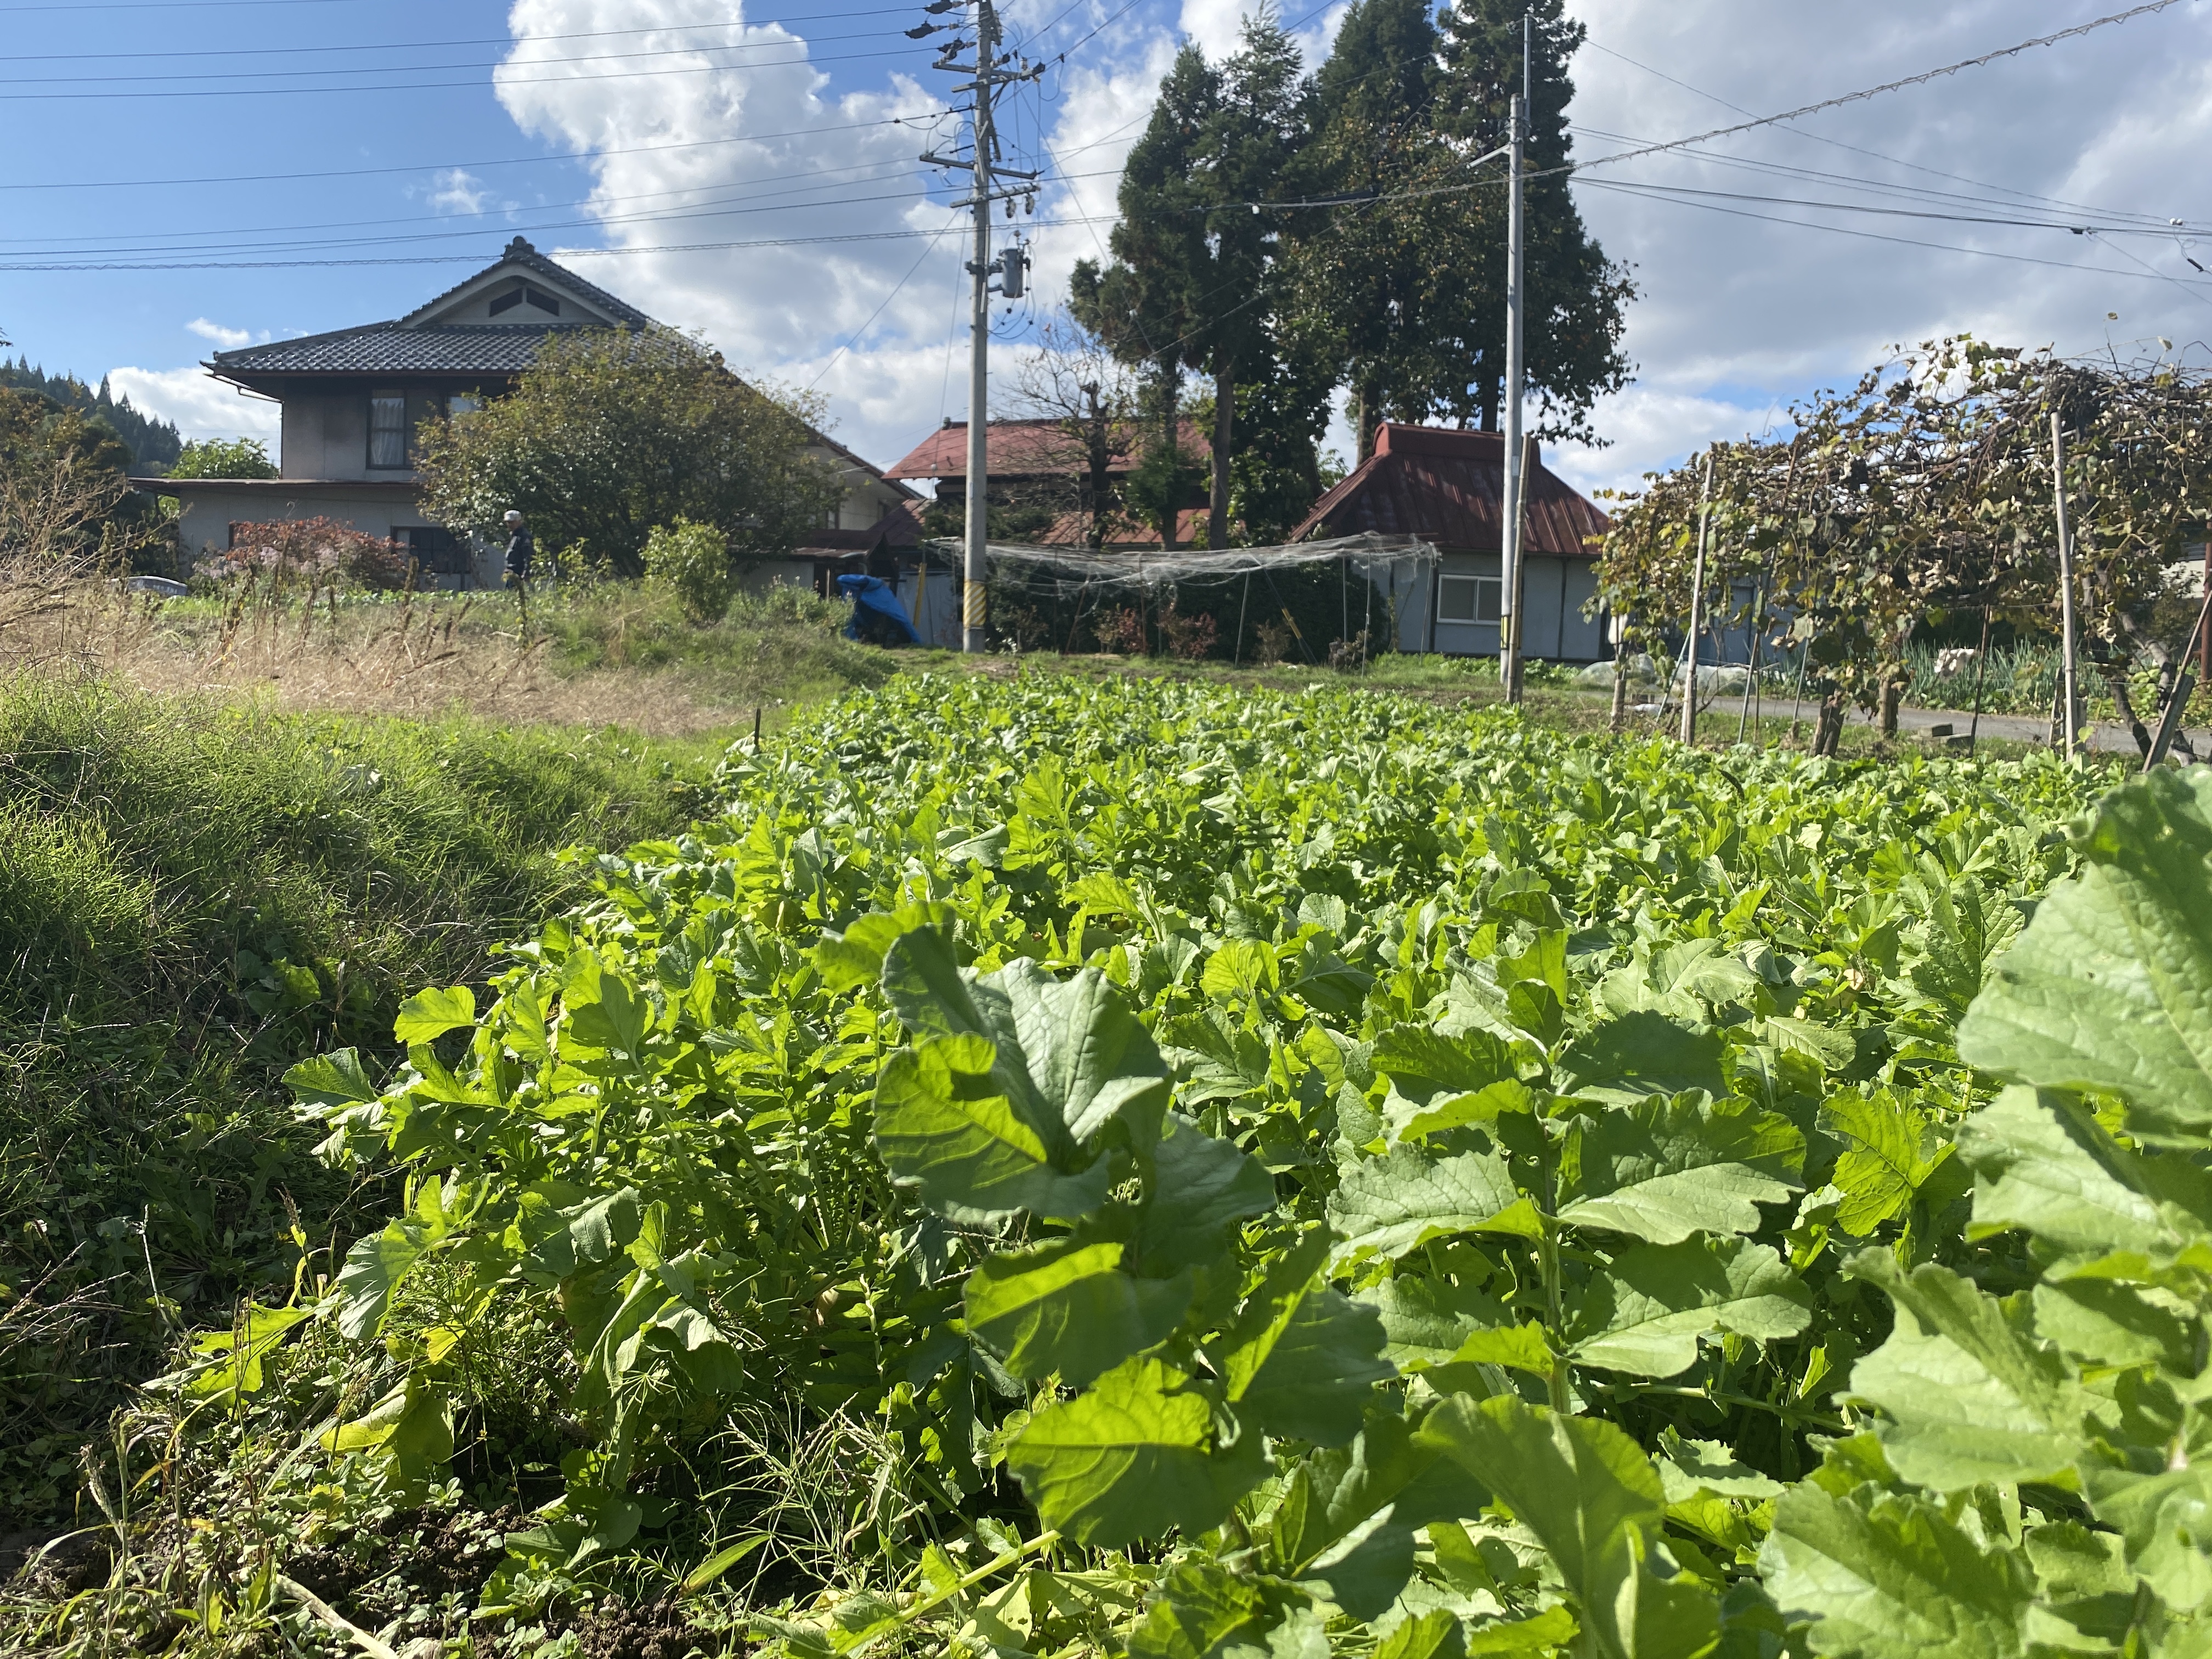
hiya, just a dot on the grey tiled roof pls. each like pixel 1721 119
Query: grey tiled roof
pixel 520 252
pixel 388 348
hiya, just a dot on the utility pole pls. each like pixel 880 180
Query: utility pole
pixel 1508 528
pixel 2065 585
pixel 1512 541
pixel 990 75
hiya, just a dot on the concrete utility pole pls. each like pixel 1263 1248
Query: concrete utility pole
pixel 2065 584
pixel 1509 529
pixel 1011 265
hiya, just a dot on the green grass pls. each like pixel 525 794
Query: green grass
pixel 781 646
pixel 193 895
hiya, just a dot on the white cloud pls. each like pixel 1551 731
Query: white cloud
pixel 720 174
pixel 1647 428
pixel 1740 311
pixel 458 190
pixel 229 338
pixel 201 405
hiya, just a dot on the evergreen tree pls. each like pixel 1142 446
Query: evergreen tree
pixel 1144 305
pixel 1387 283
pixel 153 444
pixel 1412 285
pixel 1194 284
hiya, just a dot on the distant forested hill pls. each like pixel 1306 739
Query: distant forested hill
pixel 153 444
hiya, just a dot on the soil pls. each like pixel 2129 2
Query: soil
pixel 658 1630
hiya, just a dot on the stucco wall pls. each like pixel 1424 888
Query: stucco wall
pixel 203 524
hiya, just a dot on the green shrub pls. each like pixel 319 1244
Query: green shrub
pixel 692 561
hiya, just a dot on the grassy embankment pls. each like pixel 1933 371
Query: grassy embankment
pixel 194 891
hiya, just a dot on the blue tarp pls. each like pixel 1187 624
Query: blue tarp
pixel 873 593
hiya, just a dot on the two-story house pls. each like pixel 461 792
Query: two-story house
pixel 355 399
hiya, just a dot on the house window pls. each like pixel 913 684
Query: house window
pixel 463 403
pixel 543 301
pixel 387 429
pixel 506 301
pixel 1470 599
pixel 432 550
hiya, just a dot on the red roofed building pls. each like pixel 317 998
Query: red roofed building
pixel 1445 486
pixel 1041 466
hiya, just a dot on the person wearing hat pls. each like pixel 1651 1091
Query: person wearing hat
pixel 520 548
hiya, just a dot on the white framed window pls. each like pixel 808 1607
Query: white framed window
pixel 1470 599
pixel 387 429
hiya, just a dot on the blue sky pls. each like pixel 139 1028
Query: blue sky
pixel 667 130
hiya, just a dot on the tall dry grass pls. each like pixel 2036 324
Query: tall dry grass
pixel 618 653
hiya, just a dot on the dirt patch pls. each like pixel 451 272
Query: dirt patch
pixel 411 1557
pixel 38 1565
pixel 657 1630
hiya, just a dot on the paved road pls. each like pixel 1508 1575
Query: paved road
pixel 2107 737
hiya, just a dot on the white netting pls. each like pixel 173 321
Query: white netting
pixel 1390 562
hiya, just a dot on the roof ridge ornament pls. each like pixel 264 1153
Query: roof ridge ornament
pixel 519 245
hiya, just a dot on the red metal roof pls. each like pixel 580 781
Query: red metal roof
pixel 1444 485
pixel 1069 530
pixel 1025 448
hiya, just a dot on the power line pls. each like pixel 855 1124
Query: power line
pixel 803 61
pixel 684 211
pixel 1835 143
pixel 855 337
pixel 448 167
pixel 1653 192
pixel 1925 76
pixel 1901 213
pixel 510 62
pixel 428 46
pixel 1886 188
pixel 503 212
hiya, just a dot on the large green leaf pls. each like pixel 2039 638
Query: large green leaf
pixel 1421 1062
pixel 1893 1153
pixel 2111 985
pixel 1364 1571
pixel 433 1012
pixel 1964 1398
pixel 1595 1501
pixel 1196 1187
pixel 1645 1314
pixel 1067 1306
pixel 1068 1054
pixel 941 1124
pixel 1642 1054
pixel 1424 1320
pixel 1301 1358
pixel 1389 1205
pixel 1199 1612
pixel 2041 1164
pixel 1132 1458
pixel 2165 1521
pixel 373 1270
pixel 334 1079
pixel 1885 1577
pixel 1664 1169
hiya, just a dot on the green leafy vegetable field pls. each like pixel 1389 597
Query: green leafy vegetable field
pixel 1135 1168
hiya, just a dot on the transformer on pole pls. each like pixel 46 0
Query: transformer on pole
pixel 990 75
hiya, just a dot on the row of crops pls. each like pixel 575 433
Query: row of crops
pixel 1062 1169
